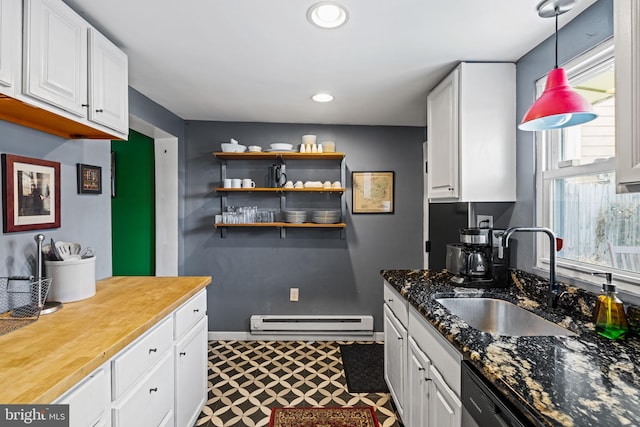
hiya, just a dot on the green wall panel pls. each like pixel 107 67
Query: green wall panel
pixel 133 207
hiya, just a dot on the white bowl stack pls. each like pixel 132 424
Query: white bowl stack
pixel 326 217
pixel 295 217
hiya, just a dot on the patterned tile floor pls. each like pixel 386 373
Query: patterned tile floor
pixel 248 378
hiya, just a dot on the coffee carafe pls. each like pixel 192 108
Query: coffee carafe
pixel 474 261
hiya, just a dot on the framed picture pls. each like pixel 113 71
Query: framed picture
pixel 373 192
pixel 30 194
pixel 89 179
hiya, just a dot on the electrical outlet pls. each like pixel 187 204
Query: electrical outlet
pixel 294 293
pixel 484 221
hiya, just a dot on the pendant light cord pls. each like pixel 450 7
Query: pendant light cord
pixel 557 13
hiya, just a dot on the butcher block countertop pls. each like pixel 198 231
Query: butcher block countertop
pixel 42 360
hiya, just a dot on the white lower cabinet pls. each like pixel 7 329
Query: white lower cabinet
pixel 148 403
pixel 159 380
pixel 395 356
pixel 422 369
pixel 191 374
pixel 89 401
pixel 418 367
pixel 445 407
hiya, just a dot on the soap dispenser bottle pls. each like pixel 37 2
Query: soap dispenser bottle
pixel 609 315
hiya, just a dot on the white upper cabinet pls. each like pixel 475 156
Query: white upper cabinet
pixel 10 46
pixel 59 74
pixel 442 138
pixel 55 56
pixel 627 51
pixel 108 78
pixel 471 134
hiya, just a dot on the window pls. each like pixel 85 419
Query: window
pixel 576 181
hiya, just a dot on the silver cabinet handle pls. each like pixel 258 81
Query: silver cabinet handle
pixel 153 350
pixel 196 310
pixel 182 353
pixel 99 110
pixel 152 390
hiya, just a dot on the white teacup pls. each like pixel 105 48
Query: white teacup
pixel 289 184
pixel 327 184
pixel 336 184
pixel 299 184
pixel 236 183
pixel 248 183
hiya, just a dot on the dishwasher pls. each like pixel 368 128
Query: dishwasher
pixel 482 406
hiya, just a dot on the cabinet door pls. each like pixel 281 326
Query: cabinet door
pixel 10 49
pixel 395 356
pixel 417 405
pixel 147 404
pixel 627 36
pixel 55 43
pixel 442 138
pixel 108 83
pixel 445 408
pixel 191 374
pixel 89 400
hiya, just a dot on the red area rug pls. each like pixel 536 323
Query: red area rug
pixel 324 417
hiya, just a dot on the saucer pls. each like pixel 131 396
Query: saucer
pixel 271 150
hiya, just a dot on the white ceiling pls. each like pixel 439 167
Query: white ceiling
pixel 261 60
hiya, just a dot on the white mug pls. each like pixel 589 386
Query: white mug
pixel 248 183
pixel 289 184
pixel 236 183
pixel 299 184
pixel 227 183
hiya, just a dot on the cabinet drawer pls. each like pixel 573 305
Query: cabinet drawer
pixel 88 400
pixel 444 357
pixel 190 312
pixel 142 354
pixel 150 401
pixel 397 303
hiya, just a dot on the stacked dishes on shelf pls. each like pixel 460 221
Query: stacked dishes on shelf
pixel 326 217
pixel 295 217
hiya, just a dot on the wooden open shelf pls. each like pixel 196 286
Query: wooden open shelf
pixel 284 225
pixel 285 155
pixel 281 189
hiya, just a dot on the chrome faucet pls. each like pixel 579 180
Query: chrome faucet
pixel 553 284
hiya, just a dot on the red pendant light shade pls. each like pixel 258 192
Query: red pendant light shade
pixel 558 106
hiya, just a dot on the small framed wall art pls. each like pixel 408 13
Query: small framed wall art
pixel 30 194
pixel 373 192
pixel 89 179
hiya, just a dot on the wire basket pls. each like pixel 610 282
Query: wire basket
pixel 21 301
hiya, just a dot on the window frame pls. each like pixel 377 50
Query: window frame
pixel 548 146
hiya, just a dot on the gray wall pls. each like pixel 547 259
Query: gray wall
pixel 85 218
pixel 587 30
pixel 253 269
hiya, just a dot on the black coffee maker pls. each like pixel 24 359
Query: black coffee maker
pixel 475 260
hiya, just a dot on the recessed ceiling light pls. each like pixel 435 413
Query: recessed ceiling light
pixel 322 97
pixel 328 14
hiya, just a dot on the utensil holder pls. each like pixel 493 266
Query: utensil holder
pixel 73 280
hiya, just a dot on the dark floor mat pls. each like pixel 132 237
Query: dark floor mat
pixel 364 368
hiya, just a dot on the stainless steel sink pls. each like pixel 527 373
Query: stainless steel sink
pixel 501 317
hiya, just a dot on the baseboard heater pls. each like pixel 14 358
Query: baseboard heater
pixel 310 324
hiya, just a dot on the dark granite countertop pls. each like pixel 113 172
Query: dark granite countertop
pixel 585 380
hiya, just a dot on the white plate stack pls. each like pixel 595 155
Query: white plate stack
pixel 295 217
pixel 326 217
